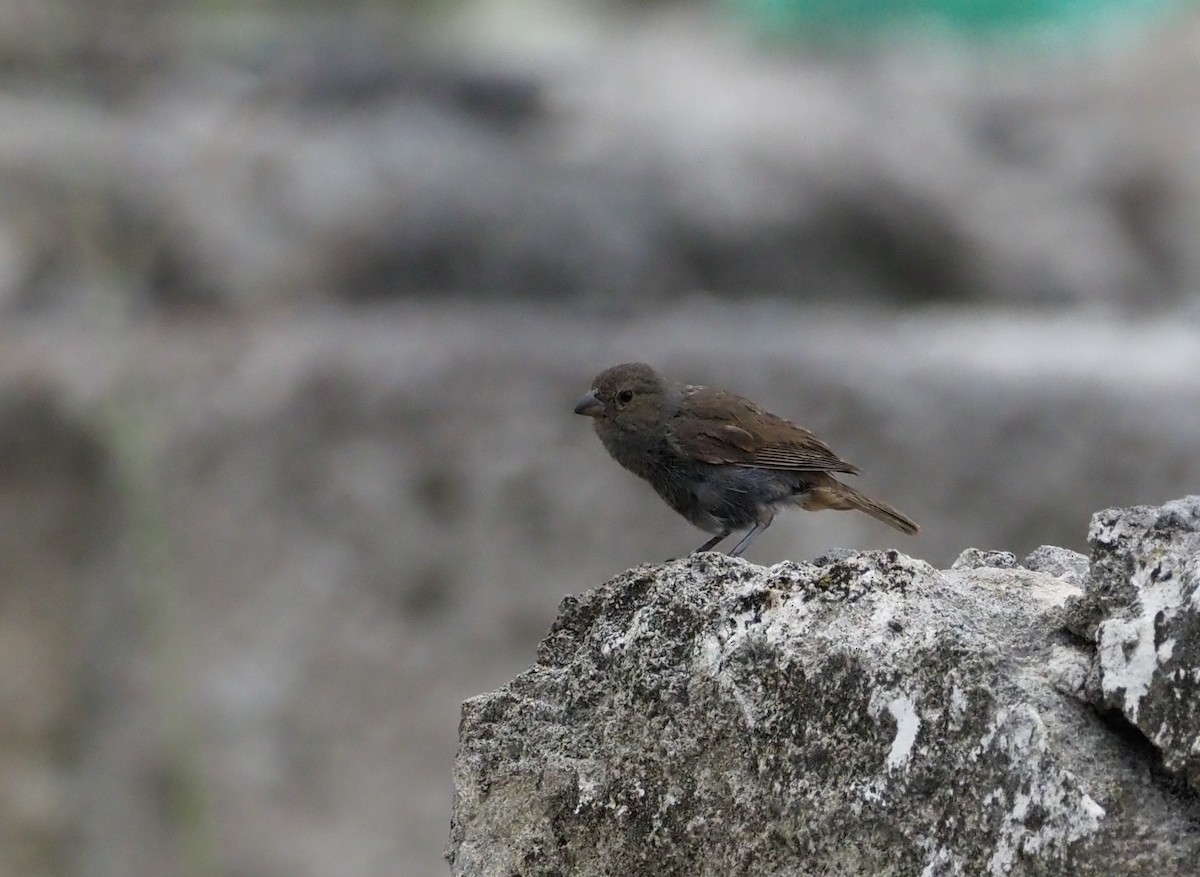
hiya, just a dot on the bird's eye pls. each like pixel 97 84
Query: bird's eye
pixel 625 397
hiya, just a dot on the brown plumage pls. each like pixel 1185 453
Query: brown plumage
pixel 719 460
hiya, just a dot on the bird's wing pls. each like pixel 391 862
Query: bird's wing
pixel 714 426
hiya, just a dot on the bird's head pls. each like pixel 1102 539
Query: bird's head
pixel 625 395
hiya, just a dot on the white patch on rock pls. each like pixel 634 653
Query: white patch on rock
pixel 1166 650
pixel 908 724
pixel 903 710
pixel 1129 658
pixel 958 702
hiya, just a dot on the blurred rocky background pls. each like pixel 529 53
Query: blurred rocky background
pixel 297 298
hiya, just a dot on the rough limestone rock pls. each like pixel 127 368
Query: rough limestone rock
pixel 863 715
pixel 976 558
pixel 1142 612
pixel 1062 563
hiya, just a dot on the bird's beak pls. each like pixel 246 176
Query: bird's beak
pixel 589 405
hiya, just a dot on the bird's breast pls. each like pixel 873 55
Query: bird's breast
pixel 637 450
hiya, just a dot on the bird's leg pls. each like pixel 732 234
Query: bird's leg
pixel 750 536
pixel 712 543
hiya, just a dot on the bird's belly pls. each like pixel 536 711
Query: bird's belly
pixel 717 498
pixel 686 496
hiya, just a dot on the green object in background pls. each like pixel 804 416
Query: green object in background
pixel 850 17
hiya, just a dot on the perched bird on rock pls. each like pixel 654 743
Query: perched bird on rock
pixel 719 460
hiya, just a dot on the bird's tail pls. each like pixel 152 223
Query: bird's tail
pixel 836 495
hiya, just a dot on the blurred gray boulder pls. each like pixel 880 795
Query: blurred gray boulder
pixel 370 515
pixel 640 164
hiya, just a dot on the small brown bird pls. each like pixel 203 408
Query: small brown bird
pixel 718 459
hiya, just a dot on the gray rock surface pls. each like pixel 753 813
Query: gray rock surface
pixel 978 558
pixel 1062 563
pixel 870 716
pixel 1141 609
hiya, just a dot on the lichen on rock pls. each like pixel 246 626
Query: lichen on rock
pixel 862 715
pixel 1141 609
